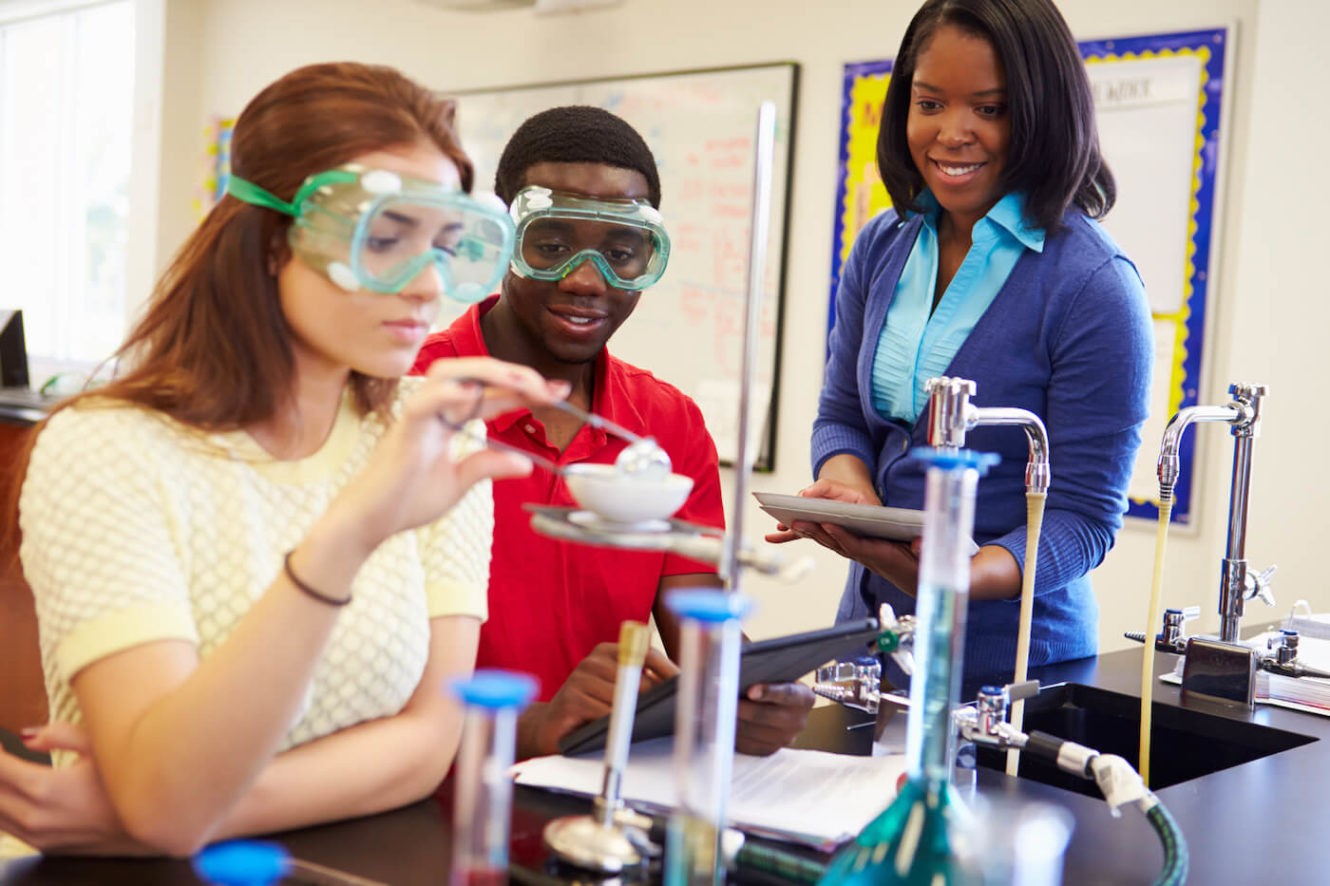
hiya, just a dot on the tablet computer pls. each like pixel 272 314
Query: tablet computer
pixel 873 521
pixel 777 660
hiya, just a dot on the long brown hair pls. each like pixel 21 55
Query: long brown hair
pixel 213 349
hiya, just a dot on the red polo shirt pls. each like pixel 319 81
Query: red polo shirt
pixel 552 601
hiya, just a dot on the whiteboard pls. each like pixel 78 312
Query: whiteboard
pixel 688 329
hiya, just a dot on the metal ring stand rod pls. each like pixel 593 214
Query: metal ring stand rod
pixel 760 226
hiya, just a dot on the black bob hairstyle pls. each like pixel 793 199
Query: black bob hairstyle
pixel 1054 155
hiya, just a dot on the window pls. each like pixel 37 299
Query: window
pixel 66 121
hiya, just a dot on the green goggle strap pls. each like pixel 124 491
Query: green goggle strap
pixel 250 193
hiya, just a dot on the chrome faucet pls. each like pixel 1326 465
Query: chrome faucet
pixel 951 415
pixel 1243 416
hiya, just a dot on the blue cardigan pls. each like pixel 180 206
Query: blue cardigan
pixel 1069 338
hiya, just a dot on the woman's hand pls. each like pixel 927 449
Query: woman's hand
pixel 413 478
pixel 61 811
pixel 854 493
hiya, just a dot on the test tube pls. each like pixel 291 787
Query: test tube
pixel 942 599
pixel 914 839
pixel 708 700
pixel 482 808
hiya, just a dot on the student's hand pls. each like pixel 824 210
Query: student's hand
pixel 770 716
pixel 832 490
pixel 61 811
pixel 587 694
pixel 412 478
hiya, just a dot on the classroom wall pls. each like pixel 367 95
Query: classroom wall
pixel 219 52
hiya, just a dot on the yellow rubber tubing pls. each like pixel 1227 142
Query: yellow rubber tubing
pixel 1034 524
pixel 1151 621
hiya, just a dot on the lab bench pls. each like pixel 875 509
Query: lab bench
pixel 1263 820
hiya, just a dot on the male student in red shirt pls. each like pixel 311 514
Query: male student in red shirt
pixel 555 607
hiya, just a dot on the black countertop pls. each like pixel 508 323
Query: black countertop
pixel 1261 821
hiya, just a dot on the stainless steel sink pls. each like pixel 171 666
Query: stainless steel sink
pixel 1186 744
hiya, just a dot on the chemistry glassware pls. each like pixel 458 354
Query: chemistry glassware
pixel 708 701
pixel 482 808
pixel 912 840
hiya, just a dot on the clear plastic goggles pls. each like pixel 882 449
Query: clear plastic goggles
pixel 378 230
pixel 556 232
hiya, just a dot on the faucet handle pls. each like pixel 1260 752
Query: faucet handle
pixel 1258 585
pixel 1172 637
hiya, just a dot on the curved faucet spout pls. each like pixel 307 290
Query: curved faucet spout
pixel 1037 470
pixel 1236 413
pixel 952 415
pixel 1243 416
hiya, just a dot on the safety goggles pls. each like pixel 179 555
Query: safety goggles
pixel 557 232
pixel 378 230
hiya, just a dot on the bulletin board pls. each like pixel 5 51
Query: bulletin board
pixel 688 329
pixel 1158 100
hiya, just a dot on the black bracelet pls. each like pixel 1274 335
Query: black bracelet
pixel 306 589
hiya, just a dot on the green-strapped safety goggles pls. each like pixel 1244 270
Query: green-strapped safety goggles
pixel 378 230
pixel 557 232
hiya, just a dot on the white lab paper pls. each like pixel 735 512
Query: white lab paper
pixel 810 797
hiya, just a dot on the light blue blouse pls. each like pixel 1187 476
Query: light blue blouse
pixel 918 342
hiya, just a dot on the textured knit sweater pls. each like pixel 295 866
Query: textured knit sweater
pixel 137 528
pixel 1068 337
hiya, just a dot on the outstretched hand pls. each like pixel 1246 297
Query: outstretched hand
pixel 61 811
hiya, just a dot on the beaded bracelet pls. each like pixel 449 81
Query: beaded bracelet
pixel 306 589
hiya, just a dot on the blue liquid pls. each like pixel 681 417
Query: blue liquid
pixel 930 737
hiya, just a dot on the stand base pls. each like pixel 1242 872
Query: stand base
pixel 1219 671
pixel 584 842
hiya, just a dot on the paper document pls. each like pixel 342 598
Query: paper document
pixel 809 797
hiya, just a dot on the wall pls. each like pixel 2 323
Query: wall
pixel 219 52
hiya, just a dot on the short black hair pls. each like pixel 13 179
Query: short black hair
pixel 574 134
pixel 1054 156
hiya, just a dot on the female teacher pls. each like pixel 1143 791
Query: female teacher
pixel 990 267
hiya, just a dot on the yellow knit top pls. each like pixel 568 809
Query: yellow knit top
pixel 137 528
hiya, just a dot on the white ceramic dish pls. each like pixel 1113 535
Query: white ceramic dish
pixel 623 498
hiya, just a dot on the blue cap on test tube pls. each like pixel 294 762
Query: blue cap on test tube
pixel 496 689
pixel 708 604
pixel 242 863
pixel 928 456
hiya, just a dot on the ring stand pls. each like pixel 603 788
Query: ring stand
pixel 692 540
